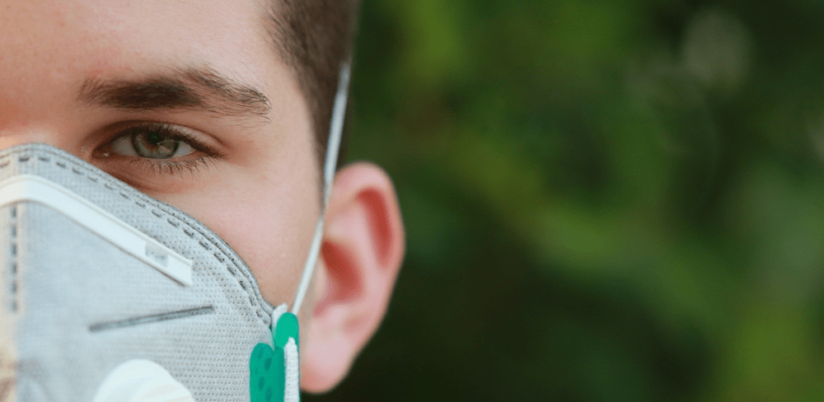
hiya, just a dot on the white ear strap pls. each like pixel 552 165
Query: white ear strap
pixel 329 165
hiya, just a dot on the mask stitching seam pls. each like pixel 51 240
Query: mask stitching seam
pixel 252 293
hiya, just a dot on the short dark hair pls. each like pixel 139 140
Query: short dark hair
pixel 314 38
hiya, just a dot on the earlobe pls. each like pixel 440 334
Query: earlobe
pixel 362 250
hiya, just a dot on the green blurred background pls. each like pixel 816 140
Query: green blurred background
pixel 605 200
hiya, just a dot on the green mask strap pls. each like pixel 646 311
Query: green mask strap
pixel 275 372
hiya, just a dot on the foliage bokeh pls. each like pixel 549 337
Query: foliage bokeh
pixel 605 200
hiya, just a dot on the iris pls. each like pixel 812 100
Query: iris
pixel 154 144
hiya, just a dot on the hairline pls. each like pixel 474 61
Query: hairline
pixel 313 53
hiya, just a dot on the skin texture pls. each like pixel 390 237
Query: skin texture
pixel 256 180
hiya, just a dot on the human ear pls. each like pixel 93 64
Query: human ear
pixel 363 246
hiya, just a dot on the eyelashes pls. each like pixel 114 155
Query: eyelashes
pixel 192 166
pixel 121 149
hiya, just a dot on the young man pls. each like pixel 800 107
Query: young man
pixel 221 109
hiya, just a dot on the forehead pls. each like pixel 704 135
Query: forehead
pixel 49 42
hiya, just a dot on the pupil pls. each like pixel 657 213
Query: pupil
pixel 154 138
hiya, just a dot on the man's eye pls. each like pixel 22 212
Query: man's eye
pixel 151 142
pixel 147 153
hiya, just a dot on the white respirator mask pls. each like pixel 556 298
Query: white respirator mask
pixel 108 295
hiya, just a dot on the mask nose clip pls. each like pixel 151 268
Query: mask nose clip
pixel 32 188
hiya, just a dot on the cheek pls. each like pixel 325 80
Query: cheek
pixel 268 220
pixel 11 116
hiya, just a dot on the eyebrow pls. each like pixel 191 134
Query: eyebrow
pixel 195 89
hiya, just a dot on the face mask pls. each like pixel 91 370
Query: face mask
pixel 107 295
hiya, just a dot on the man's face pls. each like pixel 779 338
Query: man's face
pixel 186 101
pixel 189 102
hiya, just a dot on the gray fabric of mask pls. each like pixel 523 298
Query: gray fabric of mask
pixel 74 305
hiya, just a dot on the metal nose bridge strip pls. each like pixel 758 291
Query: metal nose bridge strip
pixel 107 226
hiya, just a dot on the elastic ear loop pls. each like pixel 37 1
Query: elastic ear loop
pixel 335 131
